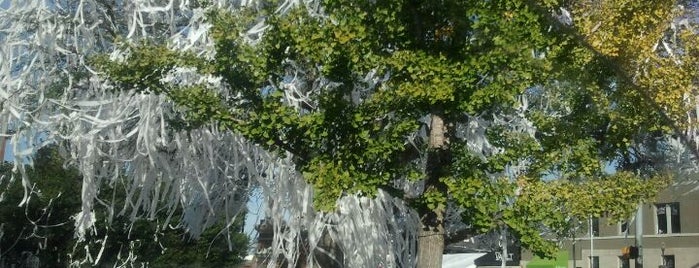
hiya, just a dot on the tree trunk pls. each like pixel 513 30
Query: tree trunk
pixel 431 235
pixel 430 247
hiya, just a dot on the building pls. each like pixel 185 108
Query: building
pixel 670 235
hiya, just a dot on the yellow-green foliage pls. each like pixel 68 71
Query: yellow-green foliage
pixel 631 34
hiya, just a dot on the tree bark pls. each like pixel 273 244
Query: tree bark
pixel 430 247
pixel 431 235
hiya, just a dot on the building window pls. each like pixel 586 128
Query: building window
pixel 595 261
pixel 624 262
pixel 623 228
pixel 668 218
pixel 594 226
pixel 668 261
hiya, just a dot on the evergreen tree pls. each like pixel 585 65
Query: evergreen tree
pixel 43 229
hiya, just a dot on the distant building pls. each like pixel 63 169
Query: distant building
pixel 670 236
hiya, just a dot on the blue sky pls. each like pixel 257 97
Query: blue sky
pixel 8 152
pixel 255 214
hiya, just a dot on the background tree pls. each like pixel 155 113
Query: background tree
pixel 146 241
pixel 43 229
pixel 364 96
pixel 50 95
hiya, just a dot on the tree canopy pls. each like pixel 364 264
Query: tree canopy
pixel 492 107
pixel 389 127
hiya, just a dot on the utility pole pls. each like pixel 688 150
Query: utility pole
pixel 639 236
pixel 592 243
pixel 3 138
pixel 574 256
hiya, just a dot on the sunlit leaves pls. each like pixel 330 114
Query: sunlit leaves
pixel 555 204
pixel 650 52
pixel 622 28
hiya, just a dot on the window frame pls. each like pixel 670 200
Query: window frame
pixel 671 222
pixel 671 259
pixel 594 262
pixel 594 227
pixel 621 229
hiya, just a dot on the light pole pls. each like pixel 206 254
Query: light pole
pixel 662 254
pixel 639 235
pixel 592 244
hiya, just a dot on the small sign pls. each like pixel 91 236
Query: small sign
pixel 494 258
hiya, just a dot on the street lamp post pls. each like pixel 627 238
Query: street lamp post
pixel 639 236
pixel 662 254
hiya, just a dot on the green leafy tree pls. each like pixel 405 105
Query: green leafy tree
pixel 43 228
pixel 374 74
pixel 141 242
pixel 147 241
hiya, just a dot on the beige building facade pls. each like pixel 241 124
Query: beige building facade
pixel 670 228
